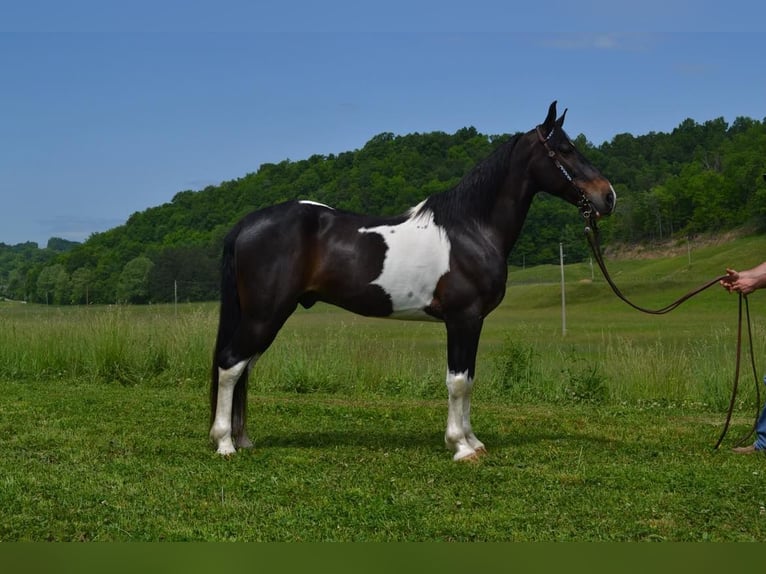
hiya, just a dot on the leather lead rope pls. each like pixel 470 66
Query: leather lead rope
pixel 733 399
pixel 591 234
pixel 594 246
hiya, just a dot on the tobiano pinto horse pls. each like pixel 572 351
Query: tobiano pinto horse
pixel 443 260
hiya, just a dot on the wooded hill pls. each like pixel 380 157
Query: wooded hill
pixel 698 179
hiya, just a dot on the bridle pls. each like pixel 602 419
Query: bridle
pixel 588 213
pixel 583 203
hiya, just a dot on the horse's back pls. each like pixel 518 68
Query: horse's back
pixel 370 265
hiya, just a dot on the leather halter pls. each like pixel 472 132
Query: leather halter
pixel 583 203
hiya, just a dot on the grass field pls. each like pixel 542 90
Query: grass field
pixel 604 433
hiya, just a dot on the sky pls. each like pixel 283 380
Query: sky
pixel 108 108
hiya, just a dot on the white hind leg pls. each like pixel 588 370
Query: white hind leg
pixel 241 439
pixel 220 433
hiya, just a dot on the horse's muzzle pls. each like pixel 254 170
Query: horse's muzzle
pixel 603 199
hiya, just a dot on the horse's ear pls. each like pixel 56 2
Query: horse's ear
pixel 550 121
pixel 560 121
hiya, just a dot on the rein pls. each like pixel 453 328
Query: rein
pixel 596 249
pixel 597 255
pixel 591 232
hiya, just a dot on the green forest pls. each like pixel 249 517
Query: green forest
pixel 701 178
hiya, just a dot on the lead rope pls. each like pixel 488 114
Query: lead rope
pixel 596 249
pixel 746 436
pixel 591 234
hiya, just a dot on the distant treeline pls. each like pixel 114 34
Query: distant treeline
pixel 700 178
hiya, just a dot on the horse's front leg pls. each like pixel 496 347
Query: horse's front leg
pixel 462 344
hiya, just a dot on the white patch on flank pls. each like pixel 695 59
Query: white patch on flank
pixel 417 257
pixel 309 202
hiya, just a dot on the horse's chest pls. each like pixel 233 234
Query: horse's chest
pixel 417 255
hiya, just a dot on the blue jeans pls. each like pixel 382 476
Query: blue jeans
pixel 760 430
pixel 760 427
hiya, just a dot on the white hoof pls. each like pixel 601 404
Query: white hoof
pixel 466 456
pixel 225 446
pixel 464 452
pixel 475 443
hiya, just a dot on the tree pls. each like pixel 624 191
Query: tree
pixel 15 286
pixel 46 283
pixel 195 271
pixel 53 285
pixel 133 286
pixel 82 278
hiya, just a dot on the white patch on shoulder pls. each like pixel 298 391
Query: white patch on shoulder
pixel 417 257
pixel 309 202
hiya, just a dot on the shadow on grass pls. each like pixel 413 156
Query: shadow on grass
pixel 366 438
pixel 393 439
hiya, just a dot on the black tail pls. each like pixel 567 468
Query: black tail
pixel 228 321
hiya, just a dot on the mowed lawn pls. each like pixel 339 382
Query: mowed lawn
pixel 87 462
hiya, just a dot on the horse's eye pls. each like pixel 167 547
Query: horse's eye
pixel 565 147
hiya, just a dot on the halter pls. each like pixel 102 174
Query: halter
pixel 583 203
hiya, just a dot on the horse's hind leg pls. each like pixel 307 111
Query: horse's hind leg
pixel 220 432
pixel 232 406
pixel 234 364
pixel 239 409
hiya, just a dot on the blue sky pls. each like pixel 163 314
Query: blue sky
pixel 108 108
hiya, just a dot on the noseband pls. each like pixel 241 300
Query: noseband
pixel 583 203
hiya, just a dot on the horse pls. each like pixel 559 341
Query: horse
pixel 444 259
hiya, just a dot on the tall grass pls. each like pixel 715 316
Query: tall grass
pixel 608 355
pixel 126 345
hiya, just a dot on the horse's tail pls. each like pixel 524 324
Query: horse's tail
pixel 229 315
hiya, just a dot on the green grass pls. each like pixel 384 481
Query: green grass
pixel 87 462
pixel 602 434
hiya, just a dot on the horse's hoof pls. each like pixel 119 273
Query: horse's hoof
pixel 471 458
pixel 244 442
pixel 226 448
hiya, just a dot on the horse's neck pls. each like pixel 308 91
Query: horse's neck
pixel 511 208
pixel 513 197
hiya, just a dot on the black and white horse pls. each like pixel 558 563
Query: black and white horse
pixel 443 260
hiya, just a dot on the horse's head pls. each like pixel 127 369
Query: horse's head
pixel 559 169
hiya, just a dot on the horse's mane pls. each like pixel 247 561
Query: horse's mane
pixel 473 196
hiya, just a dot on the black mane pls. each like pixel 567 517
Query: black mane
pixel 473 196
